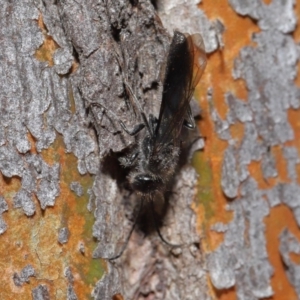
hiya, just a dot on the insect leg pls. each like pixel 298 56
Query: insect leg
pixel 130 233
pixel 134 101
pixel 128 161
pixel 96 104
pixel 136 129
pixel 153 123
pixel 158 231
pixel 190 123
pixel 137 103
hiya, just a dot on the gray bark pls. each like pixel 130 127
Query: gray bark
pixel 268 70
pixel 112 41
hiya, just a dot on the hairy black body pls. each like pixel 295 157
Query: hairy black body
pixel 155 158
pixel 153 161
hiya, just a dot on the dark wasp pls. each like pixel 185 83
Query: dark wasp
pixel 153 161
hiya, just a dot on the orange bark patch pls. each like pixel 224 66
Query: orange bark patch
pixel 211 205
pixel 267 1
pixel 296 33
pixel 229 294
pixel 117 297
pixel 280 217
pixel 73 214
pixel 46 51
pixel 294 120
pixel 297 79
pixel 34 240
pixel 32 143
pixel 218 76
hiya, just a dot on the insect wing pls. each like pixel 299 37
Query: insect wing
pixel 199 60
pixel 185 65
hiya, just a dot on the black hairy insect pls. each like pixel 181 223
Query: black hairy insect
pixel 153 161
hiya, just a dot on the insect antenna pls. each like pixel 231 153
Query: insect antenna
pixel 157 228
pixel 130 233
pixel 135 102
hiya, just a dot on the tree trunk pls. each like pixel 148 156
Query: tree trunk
pixel 64 199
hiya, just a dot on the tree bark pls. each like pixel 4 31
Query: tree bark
pixel 64 198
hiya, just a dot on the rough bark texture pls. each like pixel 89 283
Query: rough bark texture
pixel 63 68
pixel 268 70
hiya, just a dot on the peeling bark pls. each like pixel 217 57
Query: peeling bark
pixel 63 69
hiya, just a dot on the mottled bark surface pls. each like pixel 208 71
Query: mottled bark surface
pixel 64 199
pixel 269 137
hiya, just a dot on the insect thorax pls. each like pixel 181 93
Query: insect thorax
pixel 155 166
